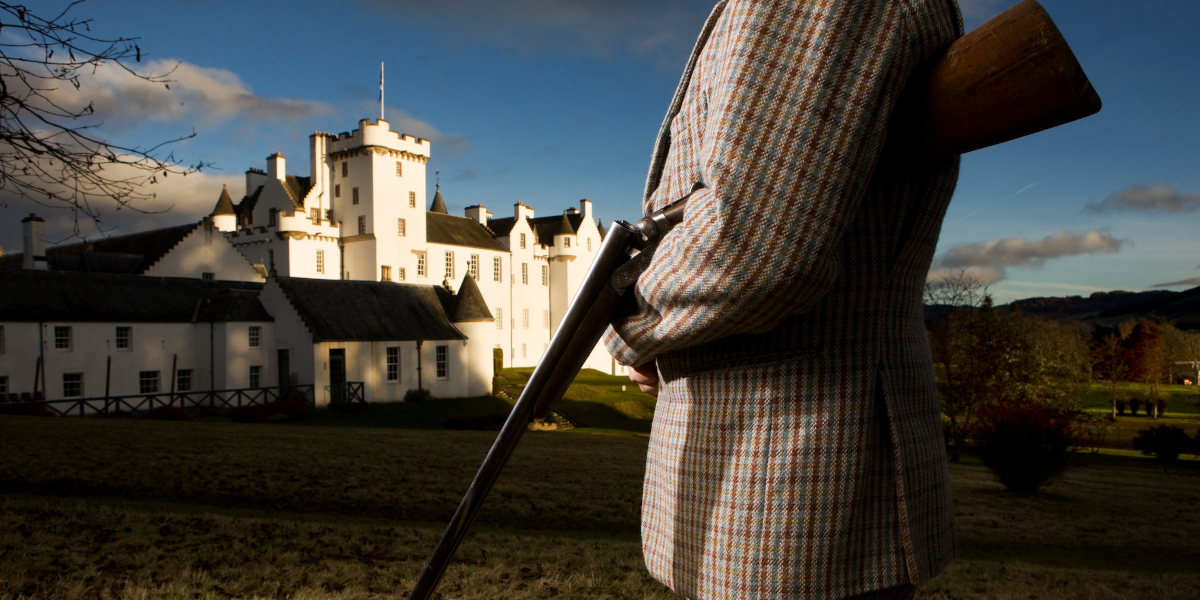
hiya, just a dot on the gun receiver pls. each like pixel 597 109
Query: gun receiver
pixel 1013 76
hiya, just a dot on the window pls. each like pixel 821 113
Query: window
pixel 566 242
pixel 255 336
pixel 207 276
pixel 255 375
pixel 400 274
pixel 124 338
pixel 412 199
pixel 362 225
pixel 183 380
pixel 401 230
pixel 523 355
pixel 545 319
pixel 272 216
pixel 522 241
pixel 525 273
pixel 473 267
pixel 337 191
pixel 524 318
pixel 315 215
pixel 385 273
pixel 320 261
pixel 393 364
pixel 3 384
pixel 328 215
pixel 443 362
pixel 589 244
pixel 72 385
pixel 421 265
pixel 496 268
pixel 450 266
pixel 148 382
pixel 345 169
pixel 399 169
pixel 354 196
pixel 545 275
pixel 499 318
pixel 62 338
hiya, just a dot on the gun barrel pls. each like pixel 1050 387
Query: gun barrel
pixel 581 327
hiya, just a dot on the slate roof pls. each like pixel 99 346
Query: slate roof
pixel 128 254
pixel 370 311
pixel 32 296
pixel 438 206
pixel 459 231
pixel 246 205
pixel 224 204
pixel 469 304
pixel 502 227
pixel 297 188
pixel 547 227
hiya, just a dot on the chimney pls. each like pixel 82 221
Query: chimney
pixel 275 167
pixel 479 213
pixel 34 229
pixel 585 206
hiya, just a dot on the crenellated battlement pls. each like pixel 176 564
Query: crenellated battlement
pixel 378 134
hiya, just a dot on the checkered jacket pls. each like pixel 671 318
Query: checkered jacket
pixel 797 444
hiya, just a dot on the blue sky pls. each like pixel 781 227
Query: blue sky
pixel 547 102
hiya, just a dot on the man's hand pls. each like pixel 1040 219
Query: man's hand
pixel 646 376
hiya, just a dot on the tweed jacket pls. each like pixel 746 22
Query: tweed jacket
pixel 797 446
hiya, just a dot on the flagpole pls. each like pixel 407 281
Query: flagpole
pixel 381 90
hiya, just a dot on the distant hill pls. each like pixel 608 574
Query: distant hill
pixel 1110 308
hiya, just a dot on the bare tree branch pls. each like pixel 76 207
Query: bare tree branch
pixel 52 155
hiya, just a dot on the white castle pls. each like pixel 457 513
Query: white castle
pixel 351 279
pixel 361 215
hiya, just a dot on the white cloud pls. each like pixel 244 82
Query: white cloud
pixel 177 200
pixel 201 94
pixel 1148 198
pixel 988 260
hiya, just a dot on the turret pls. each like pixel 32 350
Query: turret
pixel 438 205
pixel 223 215
pixel 472 317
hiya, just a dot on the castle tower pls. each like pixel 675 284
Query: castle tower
pixel 377 183
pixel 223 216
pixel 472 317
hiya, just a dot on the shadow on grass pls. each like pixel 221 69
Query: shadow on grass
pixel 404 415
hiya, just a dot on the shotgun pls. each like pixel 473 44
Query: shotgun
pixel 1013 76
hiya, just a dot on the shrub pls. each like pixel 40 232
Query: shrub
pixel 1164 442
pixel 168 413
pixel 1149 407
pixel 418 395
pixel 26 409
pixel 280 410
pixel 1122 404
pixel 1161 404
pixel 1026 444
pixel 1134 405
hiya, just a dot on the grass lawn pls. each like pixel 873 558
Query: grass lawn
pixel 349 506
pixel 595 402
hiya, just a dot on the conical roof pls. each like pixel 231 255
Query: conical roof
pixel 224 204
pixel 469 304
pixel 565 228
pixel 600 228
pixel 438 205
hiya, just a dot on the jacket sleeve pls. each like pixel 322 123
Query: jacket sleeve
pixel 791 101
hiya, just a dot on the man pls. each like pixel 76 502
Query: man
pixel 797 445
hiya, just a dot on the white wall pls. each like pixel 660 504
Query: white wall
pixel 205 250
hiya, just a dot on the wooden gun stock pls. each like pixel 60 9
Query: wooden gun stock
pixel 1013 76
